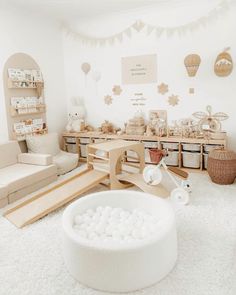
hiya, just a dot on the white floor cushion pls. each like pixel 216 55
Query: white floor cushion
pixel 19 176
pixel 65 162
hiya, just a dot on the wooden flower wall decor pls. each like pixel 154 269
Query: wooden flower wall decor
pixel 173 100
pixel 108 100
pixel 163 88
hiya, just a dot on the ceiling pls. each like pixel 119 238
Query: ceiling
pixel 76 9
pixel 73 10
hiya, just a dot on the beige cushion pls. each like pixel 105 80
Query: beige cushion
pixel 44 144
pixel 35 159
pixel 3 191
pixel 8 153
pixel 65 162
pixel 18 176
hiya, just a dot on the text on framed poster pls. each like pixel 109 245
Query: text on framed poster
pixel 140 69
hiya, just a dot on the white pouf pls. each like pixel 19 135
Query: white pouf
pixel 121 267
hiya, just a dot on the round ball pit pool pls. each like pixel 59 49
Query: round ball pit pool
pixel 121 267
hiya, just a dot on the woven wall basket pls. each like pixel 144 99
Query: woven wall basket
pixel 222 166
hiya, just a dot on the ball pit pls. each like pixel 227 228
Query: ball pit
pixel 136 250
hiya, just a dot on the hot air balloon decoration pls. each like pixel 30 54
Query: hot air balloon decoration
pixel 192 63
pixel 223 64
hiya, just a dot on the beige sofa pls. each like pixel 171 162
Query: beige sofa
pixel 21 173
pixel 49 144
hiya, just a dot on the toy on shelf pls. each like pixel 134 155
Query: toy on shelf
pixel 153 177
pixel 210 123
pixel 136 125
pixel 174 130
pixel 107 127
pixel 189 128
pixel 157 123
pixel 77 113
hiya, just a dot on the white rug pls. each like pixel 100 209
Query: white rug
pixel 31 261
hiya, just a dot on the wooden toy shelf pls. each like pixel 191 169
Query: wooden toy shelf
pixel 24 135
pixel 76 142
pixel 17 84
pixel 24 98
pixel 40 109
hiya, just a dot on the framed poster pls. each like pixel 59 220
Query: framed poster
pixel 140 69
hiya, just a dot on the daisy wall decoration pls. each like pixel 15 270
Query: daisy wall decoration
pixel 108 100
pixel 116 90
pixel 163 88
pixel 173 100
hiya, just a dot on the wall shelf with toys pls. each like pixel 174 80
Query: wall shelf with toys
pixel 29 110
pixel 24 97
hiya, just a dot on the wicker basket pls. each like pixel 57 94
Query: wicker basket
pixel 155 155
pixel 221 166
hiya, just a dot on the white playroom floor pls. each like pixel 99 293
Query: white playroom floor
pixel 31 260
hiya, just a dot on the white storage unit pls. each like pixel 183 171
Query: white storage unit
pixel 205 158
pixel 72 148
pixel 98 140
pixel 209 147
pixel 83 150
pixel 70 140
pixel 85 140
pixel 171 145
pixel 150 144
pixel 147 156
pixel 172 159
pixel 191 147
pixel 191 160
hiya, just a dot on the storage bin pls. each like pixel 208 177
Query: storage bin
pixel 150 144
pixel 147 156
pixel 131 155
pixel 172 159
pixel 170 145
pixel 83 150
pixel 205 159
pixel 191 160
pixel 70 139
pixel 85 140
pixel 210 147
pixel 99 140
pixel 192 147
pixel 72 148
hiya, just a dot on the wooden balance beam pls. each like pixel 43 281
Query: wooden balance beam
pixel 43 203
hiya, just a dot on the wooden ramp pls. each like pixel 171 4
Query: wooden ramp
pixel 137 179
pixel 43 203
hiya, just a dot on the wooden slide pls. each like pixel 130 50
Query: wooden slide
pixel 43 203
pixel 137 179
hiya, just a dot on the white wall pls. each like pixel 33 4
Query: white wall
pixel 41 38
pixel 208 42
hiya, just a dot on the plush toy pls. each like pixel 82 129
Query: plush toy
pixel 76 115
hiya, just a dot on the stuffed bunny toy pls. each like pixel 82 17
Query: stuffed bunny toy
pixel 76 115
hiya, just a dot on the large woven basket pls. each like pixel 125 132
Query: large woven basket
pixel 221 166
